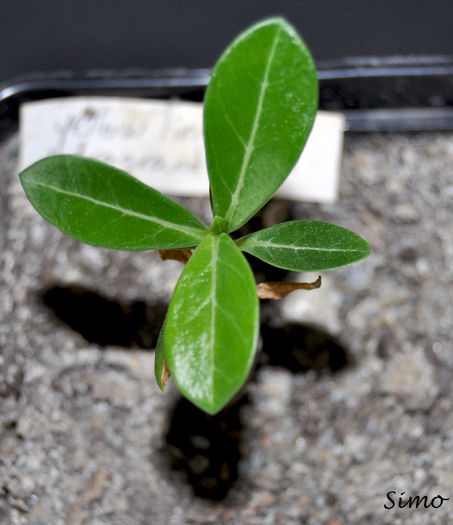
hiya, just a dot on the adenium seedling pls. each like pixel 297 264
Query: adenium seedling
pixel 258 112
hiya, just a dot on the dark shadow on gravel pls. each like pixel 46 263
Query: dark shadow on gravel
pixel 106 322
pixel 301 348
pixel 206 449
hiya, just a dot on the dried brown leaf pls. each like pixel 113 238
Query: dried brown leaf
pixel 279 290
pixel 182 255
pixel 165 375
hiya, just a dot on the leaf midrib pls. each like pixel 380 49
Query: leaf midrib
pixel 198 233
pixel 215 250
pixel 250 144
pixel 266 244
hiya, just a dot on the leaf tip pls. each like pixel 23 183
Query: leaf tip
pixel 211 407
pixel 366 249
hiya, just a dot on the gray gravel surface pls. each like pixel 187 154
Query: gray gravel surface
pixel 83 426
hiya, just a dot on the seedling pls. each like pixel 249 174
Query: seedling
pixel 258 112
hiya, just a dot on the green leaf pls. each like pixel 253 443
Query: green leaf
pixel 212 324
pixel 101 205
pixel 259 109
pixel 305 246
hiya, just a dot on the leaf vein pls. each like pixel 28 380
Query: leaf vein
pixel 266 244
pixel 250 144
pixel 235 270
pixel 215 249
pixel 232 126
pixel 233 322
pixel 128 213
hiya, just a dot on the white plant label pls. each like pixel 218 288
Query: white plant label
pixel 161 143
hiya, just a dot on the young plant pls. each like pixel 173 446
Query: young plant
pixel 259 109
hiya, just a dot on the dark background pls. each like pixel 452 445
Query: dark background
pixel 83 34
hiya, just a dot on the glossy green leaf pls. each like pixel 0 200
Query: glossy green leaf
pixel 305 246
pixel 101 205
pixel 212 324
pixel 259 109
